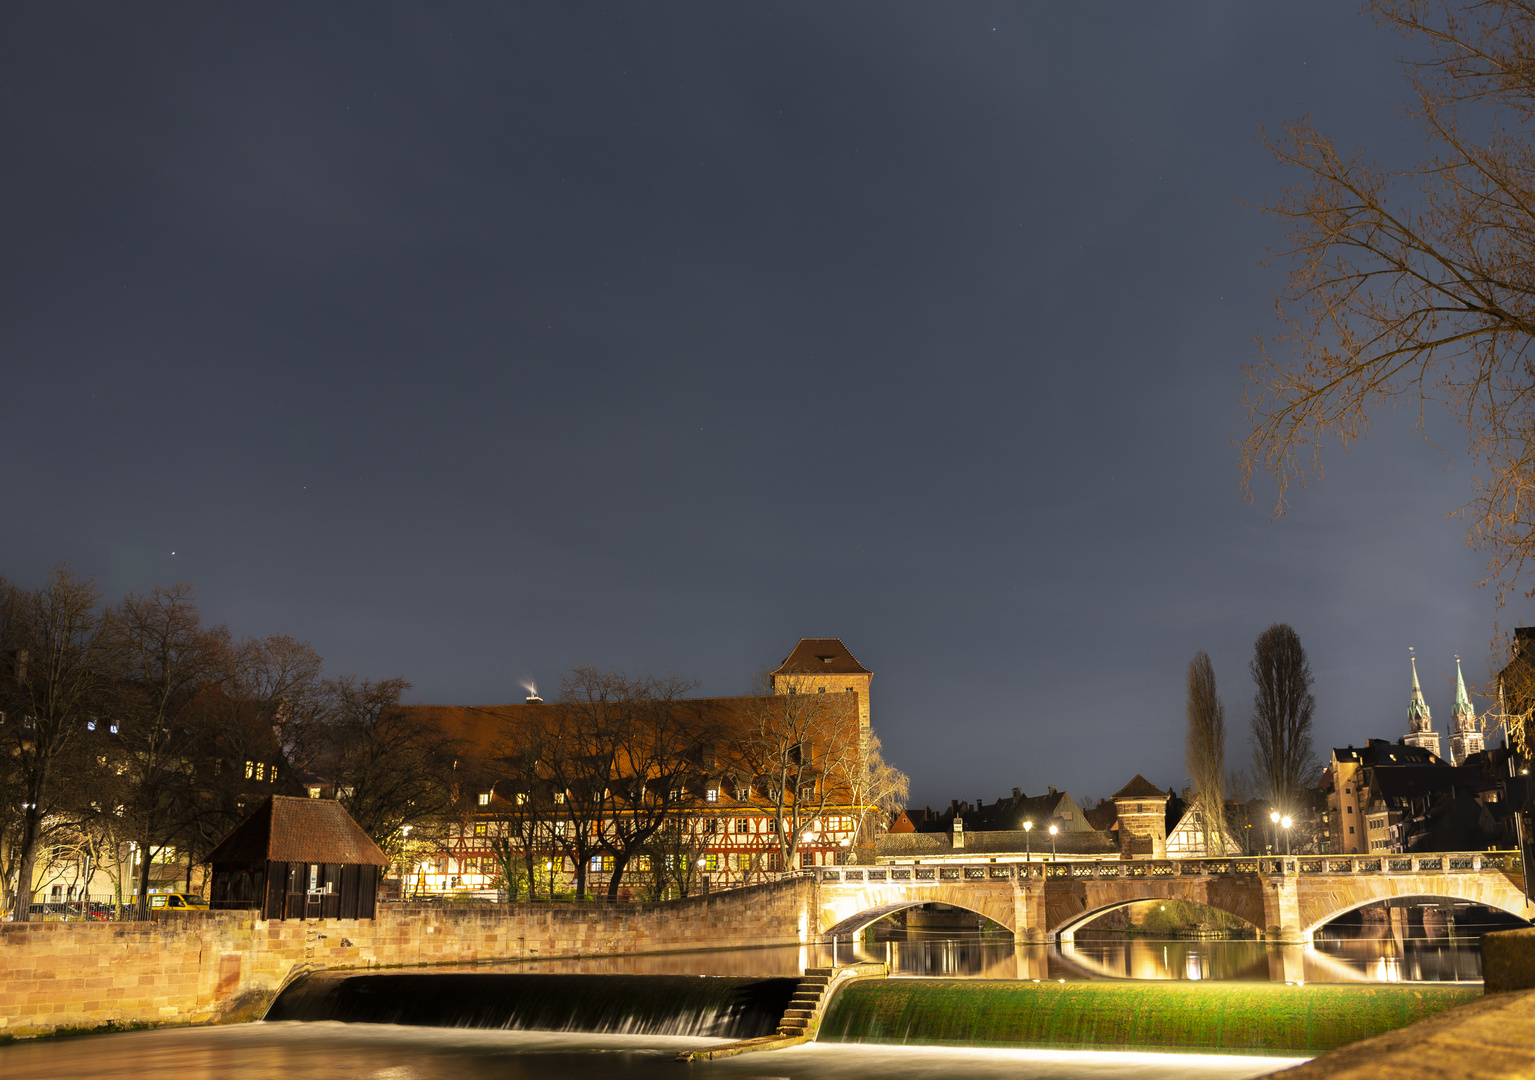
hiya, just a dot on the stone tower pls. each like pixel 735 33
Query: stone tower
pixel 1142 810
pixel 824 666
pixel 1465 736
pixel 1420 722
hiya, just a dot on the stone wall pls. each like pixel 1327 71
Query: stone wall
pixel 225 966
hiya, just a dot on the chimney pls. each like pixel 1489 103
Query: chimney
pixel 957 839
pixel 954 807
pixel 1017 794
pixel 1052 789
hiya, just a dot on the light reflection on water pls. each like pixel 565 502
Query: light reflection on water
pixel 295 1051
pixel 1354 960
pixel 979 957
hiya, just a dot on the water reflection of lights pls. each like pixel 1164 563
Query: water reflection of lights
pixel 1388 970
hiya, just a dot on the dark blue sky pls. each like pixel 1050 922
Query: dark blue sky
pixel 471 342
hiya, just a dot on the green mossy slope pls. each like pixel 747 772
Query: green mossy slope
pixel 1230 1018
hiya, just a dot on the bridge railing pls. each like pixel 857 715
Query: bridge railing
pixel 1452 862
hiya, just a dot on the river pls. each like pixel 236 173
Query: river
pixel 298 1051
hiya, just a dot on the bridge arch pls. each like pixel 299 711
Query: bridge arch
pixel 855 924
pixel 1066 928
pixel 1497 900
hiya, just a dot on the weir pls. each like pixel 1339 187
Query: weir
pixel 719 1007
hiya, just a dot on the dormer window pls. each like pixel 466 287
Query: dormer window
pixel 484 798
pixel 712 794
pixel 314 792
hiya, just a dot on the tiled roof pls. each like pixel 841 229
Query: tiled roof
pixel 1385 752
pixel 1139 788
pixel 997 842
pixel 284 829
pixel 821 656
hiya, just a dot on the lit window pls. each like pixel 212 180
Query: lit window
pixel 250 769
pixel 113 729
pixel 314 793
pixel 260 770
pixel 522 798
pixel 90 725
pixel 484 798
pixel 712 795
pixel 559 796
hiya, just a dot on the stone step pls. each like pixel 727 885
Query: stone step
pixel 802 1001
pixel 798 1014
pixel 815 980
pixel 792 1023
pixel 819 971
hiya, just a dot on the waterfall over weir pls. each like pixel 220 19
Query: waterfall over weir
pixel 732 1008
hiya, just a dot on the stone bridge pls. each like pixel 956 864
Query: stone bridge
pixel 1285 899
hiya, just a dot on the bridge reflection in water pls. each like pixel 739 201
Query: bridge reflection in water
pixel 1119 957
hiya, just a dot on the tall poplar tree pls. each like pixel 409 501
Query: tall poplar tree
pixel 1205 753
pixel 1283 760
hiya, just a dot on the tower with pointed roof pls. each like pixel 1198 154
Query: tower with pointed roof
pixel 825 666
pixel 1420 722
pixel 1465 736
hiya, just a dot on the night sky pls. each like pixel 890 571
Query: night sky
pixel 472 342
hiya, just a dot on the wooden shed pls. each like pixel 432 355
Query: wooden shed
pixel 298 859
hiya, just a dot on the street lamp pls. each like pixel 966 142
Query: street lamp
pixel 1053 830
pixel 1274 830
pixel 1028 831
pixel 1285 822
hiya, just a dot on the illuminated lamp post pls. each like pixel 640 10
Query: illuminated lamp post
pixel 1285 824
pixel 1274 830
pixel 1028 831
pixel 1053 830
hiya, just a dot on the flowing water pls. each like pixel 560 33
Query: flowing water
pixel 335 1051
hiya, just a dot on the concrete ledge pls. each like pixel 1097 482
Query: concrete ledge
pixel 1492 1039
pixel 745 1046
pixel 1508 961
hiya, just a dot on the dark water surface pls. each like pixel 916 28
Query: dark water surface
pixel 335 1051
pixel 978 957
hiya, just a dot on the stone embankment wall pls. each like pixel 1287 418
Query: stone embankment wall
pixel 226 966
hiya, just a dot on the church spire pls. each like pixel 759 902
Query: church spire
pixel 1465 734
pixel 1420 722
pixel 1418 716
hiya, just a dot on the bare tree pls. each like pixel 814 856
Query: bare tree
pixel 62 647
pixel 803 749
pixel 1205 753
pixel 1416 285
pixel 168 659
pixel 652 740
pixel 879 791
pixel 390 768
pixel 1283 761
